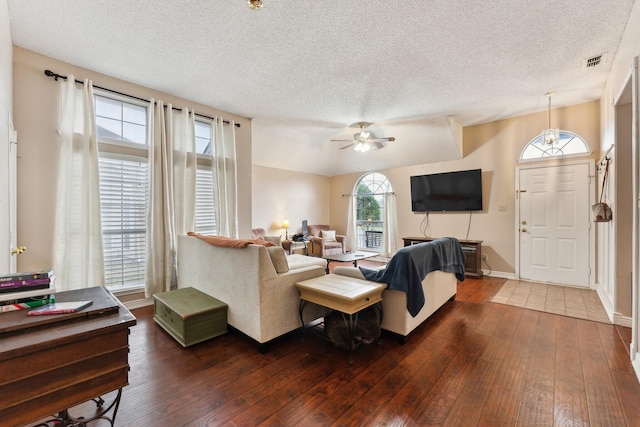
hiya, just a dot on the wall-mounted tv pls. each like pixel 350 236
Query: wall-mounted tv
pixel 449 192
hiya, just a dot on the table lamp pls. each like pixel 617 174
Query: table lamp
pixel 285 225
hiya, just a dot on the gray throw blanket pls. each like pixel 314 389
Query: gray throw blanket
pixel 411 264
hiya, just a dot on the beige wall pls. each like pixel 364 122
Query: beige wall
pixel 280 194
pixel 5 108
pixel 495 148
pixel 36 114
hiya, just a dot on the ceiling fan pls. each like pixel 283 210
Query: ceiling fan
pixel 364 141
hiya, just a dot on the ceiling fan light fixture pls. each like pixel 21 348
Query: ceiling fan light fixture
pixel 255 4
pixel 362 146
pixel 362 135
pixel 361 141
pixel 550 136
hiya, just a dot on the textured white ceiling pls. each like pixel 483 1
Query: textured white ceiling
pixel 305 70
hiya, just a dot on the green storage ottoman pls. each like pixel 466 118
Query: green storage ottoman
pixel 189 315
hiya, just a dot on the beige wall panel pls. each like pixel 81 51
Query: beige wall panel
pixel 36 116
pixel 280 194
pixel 495 148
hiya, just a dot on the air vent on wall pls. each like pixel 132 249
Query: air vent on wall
pixel 594 61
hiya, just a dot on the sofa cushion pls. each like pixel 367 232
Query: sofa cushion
pixel 276 240
pixel 328 235
pixel 333 245
pixel 315 230
pixel 278 258
pixel 296 261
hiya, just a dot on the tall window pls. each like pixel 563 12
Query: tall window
pixel 205 222
pixel 121 127
pixel 370 191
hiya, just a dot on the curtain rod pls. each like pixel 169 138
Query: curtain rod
pixel 57 76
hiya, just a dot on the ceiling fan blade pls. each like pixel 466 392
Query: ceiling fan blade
pixel 346 146
pixel 342 140
pixel 390 139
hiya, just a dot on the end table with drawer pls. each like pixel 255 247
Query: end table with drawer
pixel 345 294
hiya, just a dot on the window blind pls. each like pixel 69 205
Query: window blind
pixel 124 196
pixel 205 214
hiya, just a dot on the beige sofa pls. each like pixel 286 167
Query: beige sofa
pixel 263 303
pixel 440 263
pixel 438 287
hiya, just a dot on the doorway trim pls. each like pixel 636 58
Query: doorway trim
pixel 632 76
pixel 554 163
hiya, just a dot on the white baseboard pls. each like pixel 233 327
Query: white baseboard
pixel 636 364
pixel 500 274
pixel 139 303
pixel 606 303
pixel 621 320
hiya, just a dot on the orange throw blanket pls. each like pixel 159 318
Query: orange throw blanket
pixel 228 242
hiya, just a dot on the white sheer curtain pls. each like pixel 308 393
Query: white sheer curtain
pixel 78 260
pixel 351 225
pixel 225 177
pixel 172 171
pixel 389 226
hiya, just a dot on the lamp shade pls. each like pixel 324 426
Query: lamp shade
pixel 285 223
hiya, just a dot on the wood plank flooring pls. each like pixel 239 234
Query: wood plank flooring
pixel 473 363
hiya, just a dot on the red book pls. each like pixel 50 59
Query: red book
pixel 60 308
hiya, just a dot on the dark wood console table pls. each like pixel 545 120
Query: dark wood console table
pixel 471 248
pixel 51 363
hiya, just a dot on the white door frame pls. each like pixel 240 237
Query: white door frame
pixel 635 162
pixel 555 163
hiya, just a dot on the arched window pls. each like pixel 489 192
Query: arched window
pixel 370 199
pixel 569 144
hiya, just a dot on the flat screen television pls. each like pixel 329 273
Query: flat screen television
pixel 447 192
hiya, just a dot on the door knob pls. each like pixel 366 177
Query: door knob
pixel 18 250
pixel 524 230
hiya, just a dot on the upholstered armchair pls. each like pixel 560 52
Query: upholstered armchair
pixel 261 233
pixel 258 233
pixel 324 241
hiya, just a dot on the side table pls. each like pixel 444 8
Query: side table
pixel 345 294
pixel 290 246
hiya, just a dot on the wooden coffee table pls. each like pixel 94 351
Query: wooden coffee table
pixel 349 257
pixel 347 295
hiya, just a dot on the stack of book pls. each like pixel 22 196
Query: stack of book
pixel 20 291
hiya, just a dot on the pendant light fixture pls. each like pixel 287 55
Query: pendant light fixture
pixel 255 4
pixel 550 136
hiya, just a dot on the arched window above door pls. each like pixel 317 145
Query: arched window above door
pixel 569 144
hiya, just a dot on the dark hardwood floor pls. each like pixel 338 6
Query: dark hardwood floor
pixel 473 363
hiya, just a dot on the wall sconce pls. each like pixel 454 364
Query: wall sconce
pixel 286 225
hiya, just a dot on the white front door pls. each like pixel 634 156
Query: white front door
pixel 554 223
